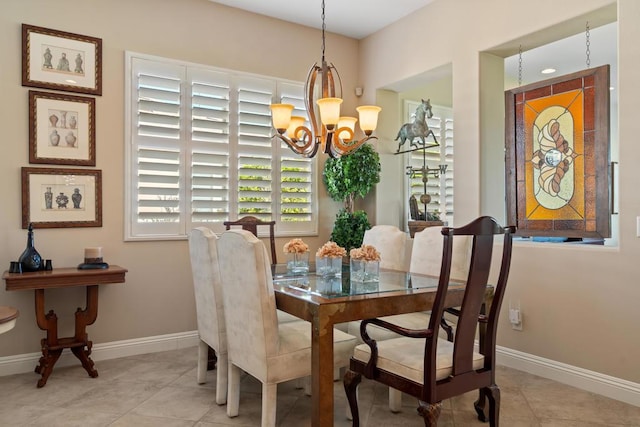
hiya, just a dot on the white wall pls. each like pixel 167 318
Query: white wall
pixel 157 297
pixel 579 303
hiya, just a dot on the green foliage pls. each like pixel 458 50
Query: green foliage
pixel 348 230
pixel 352 175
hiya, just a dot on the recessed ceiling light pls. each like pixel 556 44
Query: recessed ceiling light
pixel 548 71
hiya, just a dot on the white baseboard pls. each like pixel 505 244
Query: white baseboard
pixel 595 382
pixel 27 362
pixel 605 385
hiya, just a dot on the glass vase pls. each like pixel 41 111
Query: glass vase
pixel 364 271
pixel 298 263
pixel 329 266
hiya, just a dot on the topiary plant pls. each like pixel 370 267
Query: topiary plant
pixel 348 230
pixel 346 178
pixel 352 175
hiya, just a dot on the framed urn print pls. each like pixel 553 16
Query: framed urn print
pixel 59 198
pixel 62 129
pixel 557 146
pixel 53 59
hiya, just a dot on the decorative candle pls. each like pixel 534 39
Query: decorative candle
pixel 92 255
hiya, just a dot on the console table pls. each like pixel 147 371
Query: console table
pixel 79 344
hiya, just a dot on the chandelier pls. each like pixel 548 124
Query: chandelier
pixel 333 133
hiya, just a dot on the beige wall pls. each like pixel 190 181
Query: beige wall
pixel 579 303
pixel 157 297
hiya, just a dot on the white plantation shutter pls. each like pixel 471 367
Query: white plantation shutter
pixel 201 151
pixel 297 202
pixel 157 129
pixel 255 149
pixel 440 189
pixel 209 146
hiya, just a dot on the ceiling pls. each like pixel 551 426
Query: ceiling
pixel 370 16
pixel 566 56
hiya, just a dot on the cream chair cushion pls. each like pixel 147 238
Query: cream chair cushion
pixel 405 357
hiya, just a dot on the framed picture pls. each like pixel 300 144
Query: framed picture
pixel 557 146
pixel 62 129
pixel 59 198
pixel 59 60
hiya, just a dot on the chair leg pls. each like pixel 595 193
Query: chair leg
pixel 351 381
pixel 222 380
pixel 479 405
pixel 395 400
pixel 430 412
pixel 269 404
pixel 203 358
pixel 233 397
pixel 493 394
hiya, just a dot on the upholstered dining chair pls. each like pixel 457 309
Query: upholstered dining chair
pixel 251 223
pixel 258 344
pixel 209 307
pixel 433 369
pixel 426 258
pixel 391 242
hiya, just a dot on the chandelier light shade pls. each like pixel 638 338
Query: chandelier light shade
pixel 330 132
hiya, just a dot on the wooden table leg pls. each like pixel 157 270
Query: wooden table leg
pixel 322 370
pixel 79 344
pixel 50 354
pixel 84 318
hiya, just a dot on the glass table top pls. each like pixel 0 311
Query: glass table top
pixel 333 287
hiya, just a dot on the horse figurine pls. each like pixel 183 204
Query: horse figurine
pixel 419 128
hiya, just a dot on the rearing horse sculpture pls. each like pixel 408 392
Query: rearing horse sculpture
pixel 419 128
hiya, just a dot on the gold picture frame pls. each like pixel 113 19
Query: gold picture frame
pixel 53 59
pixel 61 198
pixel 62 129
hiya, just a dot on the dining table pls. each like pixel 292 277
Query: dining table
pixel 326 302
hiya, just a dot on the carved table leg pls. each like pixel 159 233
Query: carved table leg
pixel 83 319
pixel 50 355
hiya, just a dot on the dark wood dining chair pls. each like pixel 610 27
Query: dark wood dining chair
pixel 251 224
pixel 432 369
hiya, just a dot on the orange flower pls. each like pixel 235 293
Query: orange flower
pixel 331 250
pixel 296 246
pixel 365 253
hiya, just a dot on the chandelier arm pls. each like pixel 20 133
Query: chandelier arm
pixel 306 150
pixel 331 71
pixel 309 97
pixel 339 148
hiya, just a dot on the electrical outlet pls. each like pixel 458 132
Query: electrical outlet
pixel 515 318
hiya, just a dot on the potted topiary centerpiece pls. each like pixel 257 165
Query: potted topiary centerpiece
pixel 346 178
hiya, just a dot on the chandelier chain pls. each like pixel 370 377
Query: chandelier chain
pixel 520 66
pixel 323 28
pixel 588 46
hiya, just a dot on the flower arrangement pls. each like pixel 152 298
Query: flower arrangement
pixel 329 260
pixel 297 256
pixel 365 253
pixel 296 246
pixel 331 250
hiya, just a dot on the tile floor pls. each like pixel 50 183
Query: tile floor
pixel 160 389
